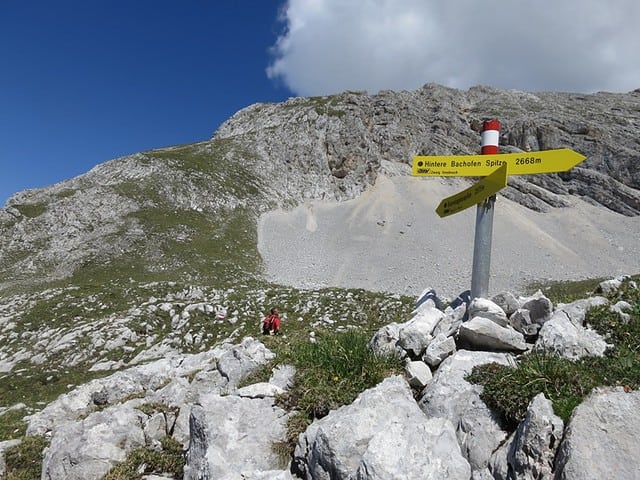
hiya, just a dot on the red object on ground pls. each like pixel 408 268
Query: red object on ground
pixel 275 324
pixel 271 324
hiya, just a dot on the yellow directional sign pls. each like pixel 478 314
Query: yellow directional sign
pixel 475 194
pixel 525 163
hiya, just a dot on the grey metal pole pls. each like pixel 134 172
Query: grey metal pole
pixel 484 220
pixel 482 248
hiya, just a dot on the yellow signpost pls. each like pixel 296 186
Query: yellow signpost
pixel 494 168
pixel 475 194
pixel 525 163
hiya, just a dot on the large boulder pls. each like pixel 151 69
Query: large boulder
pixel 532 451
pixel 374 436
pixel 440 348
pixel 416 334
pixel 242 359
pixel 485 308
pixel 418 373
pixel 452 397
pixel 430 444
pixel 385 341
pixel 86 442
pixel 601 439
pixel 539 307
pixel 521 321
pixel 576 311
pixel 453 318
pixel 507 301
pixel 484 334
pixel 232 437
pixel 138 380
pixel 561 335
pixel 87 449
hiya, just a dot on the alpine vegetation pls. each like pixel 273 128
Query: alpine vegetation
pixel 132 299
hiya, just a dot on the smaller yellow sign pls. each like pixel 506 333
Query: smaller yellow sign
pixel 525 163
pixel 487 186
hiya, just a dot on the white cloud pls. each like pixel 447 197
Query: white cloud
pixel 534 45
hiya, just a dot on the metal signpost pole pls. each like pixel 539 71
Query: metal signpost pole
pixel 484 220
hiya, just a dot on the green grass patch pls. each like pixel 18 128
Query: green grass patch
pixel 143 461
pixel 336 368
pixel 509 390
pixel 565 382
pixel 330 372
pixel 31 210
pixel 66 193
pixel 24 462
pixel 220 164
pixel 11 424
pixel 565 292
pixel 208 248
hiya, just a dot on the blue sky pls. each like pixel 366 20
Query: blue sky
pixel 86 81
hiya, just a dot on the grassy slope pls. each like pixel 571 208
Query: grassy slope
pixel 216 250
pixel 213 249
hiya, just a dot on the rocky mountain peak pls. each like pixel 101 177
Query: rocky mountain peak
pixel 317 148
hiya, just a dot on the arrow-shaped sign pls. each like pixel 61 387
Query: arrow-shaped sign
pixel 475 194
pixel 525 163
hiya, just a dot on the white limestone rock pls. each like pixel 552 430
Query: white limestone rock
pixel 601 439
pixel 372 438
pixel 482 333
pixel 485 308
pixel 452 397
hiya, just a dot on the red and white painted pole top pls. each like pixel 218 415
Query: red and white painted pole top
pixel 490 137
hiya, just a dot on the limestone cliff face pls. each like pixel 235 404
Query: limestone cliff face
pixel 348 135
pixel 143 210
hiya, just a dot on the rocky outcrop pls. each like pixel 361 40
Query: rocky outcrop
pixel 361 130
pixel 450 396
pixel 232 436
pixel 88 448
pixel 95 426
pixel 533 446
pixel 374 437
pixel 600 439
pixel 566 334
pixel 321 148
pixel 434 416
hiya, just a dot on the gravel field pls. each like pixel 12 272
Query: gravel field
pixel 390 239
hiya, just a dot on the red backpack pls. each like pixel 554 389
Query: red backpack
pixel 267 324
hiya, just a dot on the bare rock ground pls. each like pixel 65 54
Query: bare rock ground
pixel 390 239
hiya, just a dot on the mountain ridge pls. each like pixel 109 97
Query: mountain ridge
pixel 307 149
